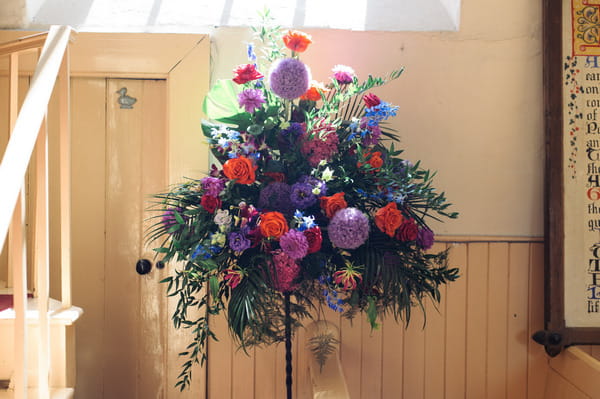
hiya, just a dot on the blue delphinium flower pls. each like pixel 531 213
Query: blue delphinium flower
pixel 380 112
pixel 251 54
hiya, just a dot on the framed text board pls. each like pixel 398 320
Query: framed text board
pixel 572 124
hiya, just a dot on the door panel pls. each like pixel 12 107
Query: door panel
pixel 119 159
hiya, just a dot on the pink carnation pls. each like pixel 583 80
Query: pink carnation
pixel 343 74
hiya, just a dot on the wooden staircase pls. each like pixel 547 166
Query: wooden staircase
pixel 40 362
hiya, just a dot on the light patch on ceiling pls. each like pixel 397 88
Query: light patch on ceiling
pixel 202 15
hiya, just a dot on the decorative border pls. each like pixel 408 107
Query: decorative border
pixel 556 335
pixel 585 16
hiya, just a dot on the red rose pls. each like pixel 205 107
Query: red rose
pixel 210 203
pixel 246 73
pixel 314 238
pixel 371 100
pixel 407 231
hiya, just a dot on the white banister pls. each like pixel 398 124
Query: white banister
pixel 64 88
pixel 42 260
pixel 24 135
pixel 28 131
pixel 17 260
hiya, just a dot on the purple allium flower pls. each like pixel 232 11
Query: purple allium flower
pixel 238 241
pixel 289 78
pixel 302 196
pixel 251 99
pixel 284 270
pixel 294 244
pixel 314 183
pixel 212 186
pixel 349 228
pixel 276 197
pixel 168 217
pixel 343 74
pixel 425 238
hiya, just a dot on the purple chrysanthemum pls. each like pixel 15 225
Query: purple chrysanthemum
pixel 294 244
pixel 349 228
pixel 284 271
pixel 212 185
pixel 276 197
pixel 302 196
pixel 289 78
pixel 343 74
pixel 238 241
pixel 251 99
pixel 314 183
pixel 425 238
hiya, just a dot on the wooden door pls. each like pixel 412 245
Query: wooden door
pixel 119 159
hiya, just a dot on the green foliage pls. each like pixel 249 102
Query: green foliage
pixel 322 346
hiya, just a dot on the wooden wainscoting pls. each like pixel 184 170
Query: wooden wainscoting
pixel 477 345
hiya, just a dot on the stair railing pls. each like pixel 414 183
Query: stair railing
pixel 28 131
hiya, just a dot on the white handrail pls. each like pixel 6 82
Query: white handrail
pixel 27 129
pixel 24 135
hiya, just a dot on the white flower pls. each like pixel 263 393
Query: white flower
pixel 222 217
pixel 327 174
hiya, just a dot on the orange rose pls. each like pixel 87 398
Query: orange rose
pixel 333 204
pixel 389 218
pixel 240 169
pixel 273 225
pixel 373 159
pixel 314 91
pixel 296 41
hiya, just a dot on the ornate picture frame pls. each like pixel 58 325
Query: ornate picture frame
pixel 571 45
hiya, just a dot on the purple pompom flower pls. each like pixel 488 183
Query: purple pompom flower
pixel 349 228
pixel 289 78
pixel 302 196
pixel 251 99
pixel 294 244
pixel 238 241
pixel 425 238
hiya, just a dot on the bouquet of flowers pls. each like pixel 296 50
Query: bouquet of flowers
pixel 312 202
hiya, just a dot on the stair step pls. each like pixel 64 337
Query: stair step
pixel 57 314
pixel 55 393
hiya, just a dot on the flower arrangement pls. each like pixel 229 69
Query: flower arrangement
pixel 311 201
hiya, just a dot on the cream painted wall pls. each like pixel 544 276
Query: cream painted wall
pixel 470 105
